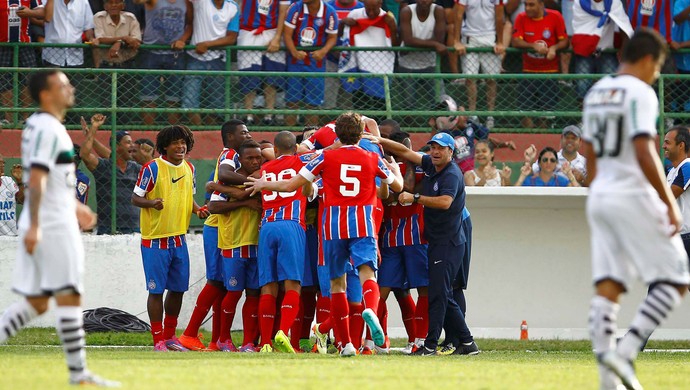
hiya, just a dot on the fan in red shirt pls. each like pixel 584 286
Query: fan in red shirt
pixel 542 33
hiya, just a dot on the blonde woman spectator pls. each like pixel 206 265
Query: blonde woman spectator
pixel 485 173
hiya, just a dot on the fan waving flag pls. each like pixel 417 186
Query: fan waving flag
pixel 368 32
pixel 593 27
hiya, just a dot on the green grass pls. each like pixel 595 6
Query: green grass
pixel 503 364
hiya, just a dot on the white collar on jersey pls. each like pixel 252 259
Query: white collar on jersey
pixel 318 14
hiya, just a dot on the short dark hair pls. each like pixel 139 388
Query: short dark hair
pixel 145 141
pixel 39 83
pixel 682 135
pixel 248 144
pixel 349 127
pixel 547 149
pixel 644 42
pixel 172 133
pixel 285 141
pixel 486 142
pixel 392 123
pixel 399 136
pixel 230 127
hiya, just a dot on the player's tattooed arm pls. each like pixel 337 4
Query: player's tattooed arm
pixel 400 150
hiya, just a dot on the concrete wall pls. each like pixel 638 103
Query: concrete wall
pixel 530 262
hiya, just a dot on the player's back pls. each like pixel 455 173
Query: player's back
pixel 280 206
pixel 617 109
pixel 349 175
pixel 45 143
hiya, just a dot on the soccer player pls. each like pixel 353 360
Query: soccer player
pixel 238 236
pixel 633 216
pixel 282 243
pixel 50 259
pixel 350 196
pixel 233 133
pixel 165 193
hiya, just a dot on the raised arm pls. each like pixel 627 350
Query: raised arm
pixel 400 150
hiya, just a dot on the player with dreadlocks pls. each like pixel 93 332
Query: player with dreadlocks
pixel 165 192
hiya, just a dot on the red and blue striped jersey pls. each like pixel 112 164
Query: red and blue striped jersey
pixel 230 157
pixel 260 14
pixel 283 206
pixel 655 14
pixel 322 138
pixel 242 252
pixel 349 190
pixel 164 243
pixel 12 27
pixel 310 30
pixel 404 225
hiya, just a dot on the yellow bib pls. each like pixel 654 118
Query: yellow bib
pixel 175 185
pixel 238 228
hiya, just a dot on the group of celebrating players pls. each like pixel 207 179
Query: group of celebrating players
pixel 273 217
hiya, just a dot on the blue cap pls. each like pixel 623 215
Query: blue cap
pixel 443 139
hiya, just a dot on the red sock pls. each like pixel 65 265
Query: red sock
pixel 169 326
pixel 204 301
pixel 323 309
pixel 308 308
pixel 228 309
pixel 356 324
pixel 407 310
pixel 341 320
pixel 383 315
pixel 371 295
pixel 289 310
pixel 157 332
pixel 250 319
pixel 421 317
pixel 267 314
pixel 217 316
pixel 326 325
pixel 296 328
pixel 279 304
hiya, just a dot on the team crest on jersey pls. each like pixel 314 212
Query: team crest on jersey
pixel 436 186
pixel 81 188
pixel 151 285
pixel 318 22
pixel 546 34
pixel 307 37
pixel 233 281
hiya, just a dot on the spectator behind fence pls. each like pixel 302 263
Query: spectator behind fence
pixel 168 24
pixel 309 23
pixel 480 25
pixel 547 176
pixel 542 33
pixel 485 173
pixel 681 39
pixel 144 149
pixel 261 24
pixel 126 173
pixel 83 182
pixel 422 25
pixel 14 27
pixel 571 136
pixel 11 193
pixel 134 7
pixel 594 25
pixel 216 24
pixel 369 27
pixel 121 31
pixel 70 20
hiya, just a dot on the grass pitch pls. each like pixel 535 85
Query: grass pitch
pixel 34 362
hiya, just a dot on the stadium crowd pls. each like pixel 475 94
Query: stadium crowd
pixel 288 31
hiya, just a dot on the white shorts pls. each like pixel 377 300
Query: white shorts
pixel 490 63
pixel 252 59
pixel 630 236
pixel 57 264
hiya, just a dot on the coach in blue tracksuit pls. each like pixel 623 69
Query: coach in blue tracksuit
pixel 443 198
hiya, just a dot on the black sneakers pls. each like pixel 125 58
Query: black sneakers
pixel 423 351
pixel 467 349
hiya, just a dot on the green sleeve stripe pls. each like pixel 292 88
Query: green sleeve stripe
pixel 38 142
pixel 633 111
pixel 55 143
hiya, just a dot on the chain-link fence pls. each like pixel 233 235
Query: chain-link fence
pixel 146 89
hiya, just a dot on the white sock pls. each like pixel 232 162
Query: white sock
pixel 70 328
pixel 602 324
pixel 660 301
pixel 15 317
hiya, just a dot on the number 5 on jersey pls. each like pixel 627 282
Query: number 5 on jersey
pixel 345 177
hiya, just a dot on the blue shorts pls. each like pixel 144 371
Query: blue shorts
pixel 151 84
pixel 240 273
pixel 282 246
pixel 354 286
pixel 362 251
pixel 404 267
pixel 251 83
pixel 310 277
pixel 309 90
pixel 166 269
pixel 214 260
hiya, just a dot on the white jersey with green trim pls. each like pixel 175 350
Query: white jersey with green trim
pixel 617 109
pixel 46 145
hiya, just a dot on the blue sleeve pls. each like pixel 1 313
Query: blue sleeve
pixel 234 25
pixel 481 132
pixel 427 165
pixel 292 14
pixel 683 178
